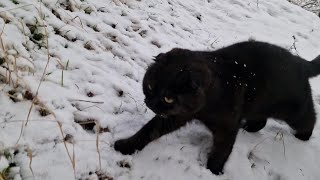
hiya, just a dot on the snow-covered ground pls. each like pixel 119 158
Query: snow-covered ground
pixel 83 61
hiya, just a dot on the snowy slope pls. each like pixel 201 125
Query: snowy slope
pixel 91 57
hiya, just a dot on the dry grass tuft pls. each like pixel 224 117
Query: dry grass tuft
pixel 12 78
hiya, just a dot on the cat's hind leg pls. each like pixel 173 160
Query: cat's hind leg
pixel 304 123
pixel 254 125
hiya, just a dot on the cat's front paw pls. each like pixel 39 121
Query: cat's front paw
pixel 214 167
pixel 124 146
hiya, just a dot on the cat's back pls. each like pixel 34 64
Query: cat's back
pixel 269 68
pixel 261 57
pixel 256 51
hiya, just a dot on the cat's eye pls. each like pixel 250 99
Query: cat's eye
pixel 168 100
pixel 150 87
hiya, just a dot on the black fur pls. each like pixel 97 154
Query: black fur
pixel 250 80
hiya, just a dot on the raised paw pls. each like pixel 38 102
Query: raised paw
pixel 214 167
pixel 124 146
pixel 254 126
pixel 304 136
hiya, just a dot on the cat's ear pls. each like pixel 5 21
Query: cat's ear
pixel 188 81
pixel 159 57
pixel 177 50
pixel 200 79
pixel 183 76
pixel 196 83
pixel 170 54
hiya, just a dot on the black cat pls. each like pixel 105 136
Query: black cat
pixel 248 81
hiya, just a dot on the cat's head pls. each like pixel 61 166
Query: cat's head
pixel 176 83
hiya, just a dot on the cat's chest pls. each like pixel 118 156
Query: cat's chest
pixel 208 115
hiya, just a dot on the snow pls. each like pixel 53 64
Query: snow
pixel 98 52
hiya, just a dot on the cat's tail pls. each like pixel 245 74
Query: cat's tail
pixel 314 67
